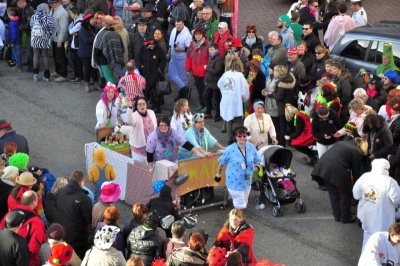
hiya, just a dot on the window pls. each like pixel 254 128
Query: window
pixel 356 49
pixel 395 49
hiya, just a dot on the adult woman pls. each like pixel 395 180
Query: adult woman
pixel 234 91
pixel 302 137
pixel 139 212
pixel 200 138
pixel 251 41
pixel 256 81
pixel 159 37
pixel 346 156
pixel 42 28
pixel 86 37
pixel 394 124
pixel 145 240
pixel 358 112
pixel 106 109
pixel 385 110
pixel 318 67
pixel 143 121
pixel 241 159
pixel 182 118
pixel 189 255
pixel 49 201
pixel 390 81
pixel 7 183
pixel 284 93
pixel 325 123
pixel 374 93
pixel 161 143
pixel 271 106
pixel 306 57
pixel 237 236
pixel 259 125
pixel 108 49
pixel 123 33
pixel 103 252
pixel 327 95
pixel 196 62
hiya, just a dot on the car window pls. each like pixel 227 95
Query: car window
pixel 379 51
pixel 355 49
pixel 374 55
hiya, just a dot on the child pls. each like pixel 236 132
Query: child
pixel 182 118
pixel 73 29
pixel 14 37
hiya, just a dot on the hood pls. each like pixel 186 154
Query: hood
pixel 380 167
pixel 287 82
pixel 99 157
pixel 166 191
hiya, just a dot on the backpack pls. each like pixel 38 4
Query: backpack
pixel 37 30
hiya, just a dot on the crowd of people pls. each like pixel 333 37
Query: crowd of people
pixel 284 90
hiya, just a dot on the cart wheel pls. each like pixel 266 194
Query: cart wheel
pixel 257 200
pixel 276 211
pixel 298 208
pixel 304 208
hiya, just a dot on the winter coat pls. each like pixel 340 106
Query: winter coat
pixel 214 71
pixel 100 160
pixel 257 45
pixel 146 243
pixel 5 190
pixel 14 34
pixel 47 24
pixel 14 251
pixel 99 5
pixel 380 141
pixel 240 240
pixel 303 135
pixel 394 127
pixel 74 213
pixel 394 161
pixel 186 256
pixel 129 227
pixel 344 92
pixel 210 28
pixel 50 208
pixel 271 106
pixel 138 41
pixel 334 165
pixel 284 92
pixel 12 136
pixel 338 26
pixel 60 19
pixel 307 59
pixel 108 257
pixel 149 61
pixel 277 55
pixel 329 127
pixel 26 15
pixel 163 204
pixel 297 68
pixel 305 15
pixel 318 68
pixel 312 41
pixel 258 85
pixel 197 59
pixel 220 40
pixel 86 39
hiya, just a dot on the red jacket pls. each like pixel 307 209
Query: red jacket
pixel 240 240
pixel 197 59
pixel 37 233
pixel 306 138
pixel 220 40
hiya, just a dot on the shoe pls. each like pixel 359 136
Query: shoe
pixel 351 220
pixel 45 79
pixel 87 87
pixel 223 129
pixel 203 110
pixel 77 81
pixel 61 79
pixel 54 74
pixel 11 63
pixel 18 69
pixel 337 219
pixel 217 118
pixel 260 207
pixel 35 77
pixel 207 116
pixel 73 79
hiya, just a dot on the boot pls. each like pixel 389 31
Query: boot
pixel 102 83
pixel 87 87
pixel 223 129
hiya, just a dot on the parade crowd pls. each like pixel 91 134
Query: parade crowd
pixel 284 89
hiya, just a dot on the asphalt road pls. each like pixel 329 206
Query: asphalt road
pixel 58 119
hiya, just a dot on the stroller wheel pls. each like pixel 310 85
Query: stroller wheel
pixel 299 207
pixel 257 200
pixel 276 211
pixel 304 207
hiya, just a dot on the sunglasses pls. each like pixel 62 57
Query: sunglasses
pixel 241 136
pixel 316 6
pixel 306 28
pixel 251 31
pixel 318 53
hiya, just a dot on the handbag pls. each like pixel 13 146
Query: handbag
pixel 163 86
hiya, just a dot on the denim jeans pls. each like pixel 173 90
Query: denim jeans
pixel 17 54
pixel 29 49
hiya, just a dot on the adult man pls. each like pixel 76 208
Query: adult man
pixel 295 65
pixel 221 36
pixel 296 27
pixel 7 134
pixel 60 17
pixel 178 44
pixel 178 231
pixel 359 15
pixel 338 26
pixel 131 23
pixel 179 10
pixel 152 22
pixel 26 14
pixel 276 52
pixel 343 80
pixel 151 61
pixel 196 5
pixel 360 93
pixel 138 37
pixel 378 196
pixel 210 24
pixel 308 13
pixel 382 248
pixel 33 228
pixel 286 31
pixel 75 213
pixel 13 247
pixel 309 37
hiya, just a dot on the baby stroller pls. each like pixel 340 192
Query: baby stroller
pixel 277 183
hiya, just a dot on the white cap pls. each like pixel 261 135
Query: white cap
pixel 355 1
pixel 223 25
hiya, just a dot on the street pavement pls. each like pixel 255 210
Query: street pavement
pixel 58 119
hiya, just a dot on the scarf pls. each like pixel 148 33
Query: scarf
pixel 166 139
pixel 311 12
pixel 372 93
pixel 200 138
pixel 388 111
pixel 250 41
pixel 198 44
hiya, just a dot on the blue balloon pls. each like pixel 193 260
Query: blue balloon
pixel 158 185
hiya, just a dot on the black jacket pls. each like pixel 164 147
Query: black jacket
pixel 26 15
pixel 311 41
pixel 307 59
pixel 284 92
pixel 305 15
pixel 22 143
pixel 395 129
pixel 149 61
pixel 380 142
pixel 145 243
pixel 258 44
pixel 258 85
pixel 50 208
pixel 318 68
pixel 5 190
pixel 13 249
pixel 329 127
pixel 214 70
pixel 74 213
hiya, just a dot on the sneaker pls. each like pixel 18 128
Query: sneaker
pixel 199 108
pixel 45 79
pixel 18 69
pixel 11 63
pixel 54 74
pixel 73 79
pixel 203 110
pixel 260 207
pixel 61 79
pixel 35 77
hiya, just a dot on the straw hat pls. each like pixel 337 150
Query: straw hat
pixel 26 179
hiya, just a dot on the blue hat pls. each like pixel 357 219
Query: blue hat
pixel 257 103
pixel 392 75
pixel 158 185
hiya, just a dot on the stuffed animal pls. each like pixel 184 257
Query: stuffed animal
pixel 100 172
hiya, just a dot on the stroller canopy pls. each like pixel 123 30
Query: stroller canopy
pixel 279 155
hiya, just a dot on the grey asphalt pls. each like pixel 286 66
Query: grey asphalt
pixel 58 119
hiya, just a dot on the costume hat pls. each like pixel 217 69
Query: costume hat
pixel 110 192
pixel 26 179
pixel 106 236
pixel 60 254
